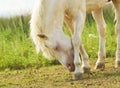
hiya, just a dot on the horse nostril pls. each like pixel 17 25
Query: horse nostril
pixel 71 67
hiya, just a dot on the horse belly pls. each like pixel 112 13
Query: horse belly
pixel 94 4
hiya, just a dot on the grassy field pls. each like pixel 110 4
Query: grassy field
pixel 18 52
pixel 16 48
pixel 58 77
pixel 21 67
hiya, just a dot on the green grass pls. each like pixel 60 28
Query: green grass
pixel 16 49
pixel 18 52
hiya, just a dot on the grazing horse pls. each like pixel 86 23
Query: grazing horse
pixel 47 34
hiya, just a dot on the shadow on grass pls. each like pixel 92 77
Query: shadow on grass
pixel 100 74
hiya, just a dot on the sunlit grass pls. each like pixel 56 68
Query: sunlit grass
pixel 17 50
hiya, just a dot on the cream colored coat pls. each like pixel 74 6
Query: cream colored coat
pixel 46 31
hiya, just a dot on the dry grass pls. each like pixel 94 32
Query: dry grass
pixel 58 77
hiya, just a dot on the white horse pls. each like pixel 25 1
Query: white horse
pixel 47 34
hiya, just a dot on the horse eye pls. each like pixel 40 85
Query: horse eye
pixel 46 46
pixel 57 48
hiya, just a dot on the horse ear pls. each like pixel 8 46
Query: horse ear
pixel 42 36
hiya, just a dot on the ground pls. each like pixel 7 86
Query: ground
pixel 58 77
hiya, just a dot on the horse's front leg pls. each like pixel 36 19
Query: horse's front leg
pixel 101 26
pixel 83 53
pixel 117 26
pixel 78 25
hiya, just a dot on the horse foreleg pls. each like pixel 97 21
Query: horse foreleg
pixel 85 61
pixel 101 26
pixel 78 25
pixel 84 55
pixel 117 27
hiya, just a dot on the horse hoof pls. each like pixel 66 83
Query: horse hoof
pixel 78 76
pixel 117 64
pixel 100 65
pixel 86 70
